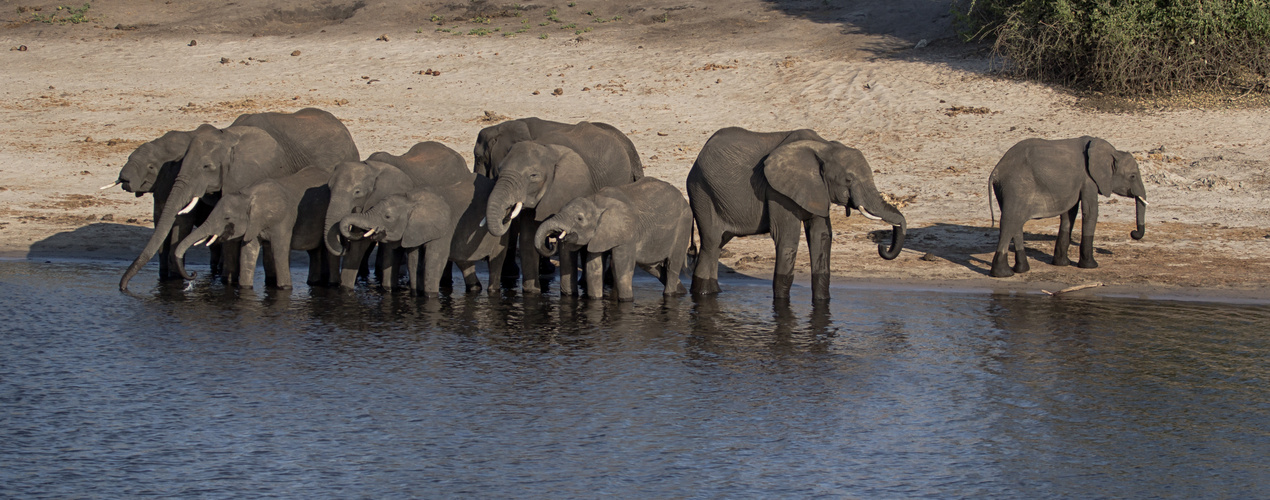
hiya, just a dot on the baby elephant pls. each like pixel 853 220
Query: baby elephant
pixel 286 213
pixel 1040 178
pixel 443 221
pixel 647 222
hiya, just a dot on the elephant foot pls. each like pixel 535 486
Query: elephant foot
pixel 283 287
pixel 244 286
pixel 1020 264
pixel 675 291
pixel 1000 267
pixel 820 287
pixel 626 299
pixel 1087 264
pixel 1062 261
pixel 705 286
pixel 474 288
pixel 781 284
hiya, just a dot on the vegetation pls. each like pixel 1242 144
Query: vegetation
pixel 63 15
pixel 1128 46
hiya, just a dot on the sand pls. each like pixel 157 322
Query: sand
pixel 887 77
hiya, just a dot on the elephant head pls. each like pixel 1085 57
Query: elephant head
pixel 411 220
pixel 218 160
pixel 538 176
pixel 599 224
pixel 493 144
pixel 814 174
pixel 1116 172
pixel 147 162
pixel 229 220
pixel 356 186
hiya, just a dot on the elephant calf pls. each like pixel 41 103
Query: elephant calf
pixel 1040 178
pixel 286 213
pixel 646 223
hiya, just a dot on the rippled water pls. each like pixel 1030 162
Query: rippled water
pixel 880 394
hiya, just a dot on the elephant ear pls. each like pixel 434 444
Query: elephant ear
pixel 427 221
pixel 794 170
pixel 570 179
pixel 254 224
pixel 389 180
pixel 615 226
pixel 1100 160
pixel 252 151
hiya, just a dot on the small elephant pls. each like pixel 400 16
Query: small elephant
pixel 226 161
pixel 1040 178
pixel 746 182
pixel 646 223
pixel 444 221
pixel 284 213
pixel 540 176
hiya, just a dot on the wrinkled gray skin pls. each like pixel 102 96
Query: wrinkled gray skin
pixel 493 142
pixel 646 223
pixel 444 222
pixel 1040 178
pixel 152 168
pixel 356 186
pixel 286 214
pixel 746 183
pixel 544 175
pixel 256 147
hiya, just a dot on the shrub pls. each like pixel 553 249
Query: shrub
pixel 1128 46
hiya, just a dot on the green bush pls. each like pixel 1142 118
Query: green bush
pixel 1128 46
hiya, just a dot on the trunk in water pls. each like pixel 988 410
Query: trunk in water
pixel 503 196
pixel 545 248
pixel 182 193
pixel 871 200
pixel 178 255
pixel 336 211
pixel 1141 231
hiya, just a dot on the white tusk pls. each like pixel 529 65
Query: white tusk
pixel 516 210
pixel 189 207
pixel 561 237
pixel 200 241
pixel 108 186
pixel 368 233
pixel 868 215
pixel 483 221
pixel 1143 200
pixel 212 239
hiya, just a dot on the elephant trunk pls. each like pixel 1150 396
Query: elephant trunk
pixel 182 194
pixel 1141 231
pixel 349 225
pixel 334 213
pixel 197 236
pixel 869 200
pixel 546 232
pixel 504 204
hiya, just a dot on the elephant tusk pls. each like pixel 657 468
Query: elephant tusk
pixel 368 233
pixel 516 210
pixel 212 239
pixel 868 215
pixel 200 241
pixel 1143 200
pixel 108 186
pixel 561 236
pixel 189 207
pixel 483 221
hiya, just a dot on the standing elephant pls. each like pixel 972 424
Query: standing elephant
pixel 444 221
pixel 1040 178
pixel 746 183
pixel 231 159
pixel 540 176
pixel 285 213
pixel 152 168
pixel 493 142
pixel 646 223
pixel 356 186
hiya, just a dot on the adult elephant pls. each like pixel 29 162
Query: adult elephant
pixel 493 142
pixel 356 186
pixel 231 159
pixel 539 177
pixel 1039 178
pixel 152 168
pixel 746 182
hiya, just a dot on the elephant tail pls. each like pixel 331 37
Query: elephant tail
pixel 991 214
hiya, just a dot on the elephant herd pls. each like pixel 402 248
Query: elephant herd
pixel 283 182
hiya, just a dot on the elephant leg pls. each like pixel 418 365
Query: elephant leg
pixel 623 260
pixel 385 266
pixel 316 264
pixel 271 270
pixel 1064 240
pixel 1020 251
pixel 568 272
pixel 447 276
pixel 281 248
pixel 509 270
pixel 215 258
pixel 354 256
pixel 670 274
pixel 819 241
pixel 528 259
pixel 1010 225
pixel 248 255
pixel 471 282
pixel 496 267
pixel 436 254
pixel 784 227
pixel 705 275
pixel 231 253
pixel 1088 219
pixel 412 268
pixel 595 275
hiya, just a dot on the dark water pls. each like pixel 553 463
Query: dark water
pixel 881 394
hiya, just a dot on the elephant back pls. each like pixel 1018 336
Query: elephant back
pixel 428 163
pixel 604 154
pixel 308 137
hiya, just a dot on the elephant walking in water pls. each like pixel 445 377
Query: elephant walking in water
pixel 1040 178
pixel 746 183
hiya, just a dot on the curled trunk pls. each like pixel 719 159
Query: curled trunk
pixel 182 193
pixel 868 198
pixel 1141 231
pixel 334 213
pixel 542 238
pixel 178 255
pixel 504 196
pixel 349 226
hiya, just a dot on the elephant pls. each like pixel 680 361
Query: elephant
pixel 745 183
pixel 1039 178
pixel 646 223
pixel 442 220
pixel 356 186
pixel 231 159
pixel 286 213
pixel 542 175
pixel 493 142
pixel 152 168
